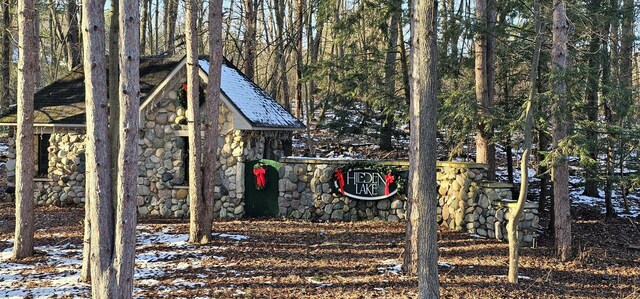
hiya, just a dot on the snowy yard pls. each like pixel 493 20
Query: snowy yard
pixel 160 254
pixel 287 259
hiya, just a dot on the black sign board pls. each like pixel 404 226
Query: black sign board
pixel 365 184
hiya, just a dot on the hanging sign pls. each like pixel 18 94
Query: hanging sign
pixel 365 184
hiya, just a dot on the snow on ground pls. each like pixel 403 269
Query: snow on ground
pixel 633 210
pixel 56 274
pixel 3 147
pixel 577 188
pixel 395 266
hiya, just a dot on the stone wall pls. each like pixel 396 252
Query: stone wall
pixel 162 182
pixel 466 202
pixel 65 181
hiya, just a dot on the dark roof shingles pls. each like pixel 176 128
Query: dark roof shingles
pixel 62 102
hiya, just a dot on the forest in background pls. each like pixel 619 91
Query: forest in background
pixel 341 66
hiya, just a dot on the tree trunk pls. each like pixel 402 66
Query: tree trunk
pixel 73 39
pixel 422 169
pixel 388 123
pixel 171 15
pixel 5 56
pixel 516 216
pixel 98 160
pixel 143 25
pixel 114 98
pixel 280 55
pixel 250 20
pixel 129 86
pixel 299 63
pixel 560 175
pixel 85 270
pixel 485 150
pixel 196 202
pixel 27 62
pixel 212 106
pixel 591 168
pixel 509 151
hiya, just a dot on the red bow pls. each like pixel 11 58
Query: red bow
pixel 340 177
pixel 261 181
pixel 184 86
pixel 388 179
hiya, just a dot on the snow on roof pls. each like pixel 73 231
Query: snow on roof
pixel 256 105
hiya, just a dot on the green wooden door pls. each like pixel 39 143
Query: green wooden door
pixel 264 202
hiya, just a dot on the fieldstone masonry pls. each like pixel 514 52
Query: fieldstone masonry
pixel 466 201
pixel 64 184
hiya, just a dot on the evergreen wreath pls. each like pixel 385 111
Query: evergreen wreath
pixel 182 95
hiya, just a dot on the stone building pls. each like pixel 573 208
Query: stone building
pixel 252 126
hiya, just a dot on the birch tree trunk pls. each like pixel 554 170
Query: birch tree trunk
pixel 516 217
pixel 422 151
pixel 27 68
pixel 98 161
pixel 560 171
pixel 129 86
pixel 211 112
pixel 196 202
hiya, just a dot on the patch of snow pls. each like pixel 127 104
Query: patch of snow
pixel 319 283
pixel 633 209
pixel 58 274
pixel 390 266
pixel 477 236
pixel 444 264
pixel 519 277
pixel 233 237
pixel 60 269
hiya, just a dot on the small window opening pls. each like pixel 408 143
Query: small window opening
pixel 42 154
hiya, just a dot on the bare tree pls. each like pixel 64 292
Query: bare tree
pixel 211 111
pixel 512 225
pixel 73 39
pixel 193 126
pixel 423 143
pixel 129 87
pixel 560 170
pixel 250 19
pixel 421 252
pixel 27 73
pixel 388 123
pixel 112 227
pixel 114 99
pixel 171 16
pixel 299 54
pixel 99 204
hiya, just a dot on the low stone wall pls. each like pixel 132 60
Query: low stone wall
pixel 305 193
pixel 466 202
